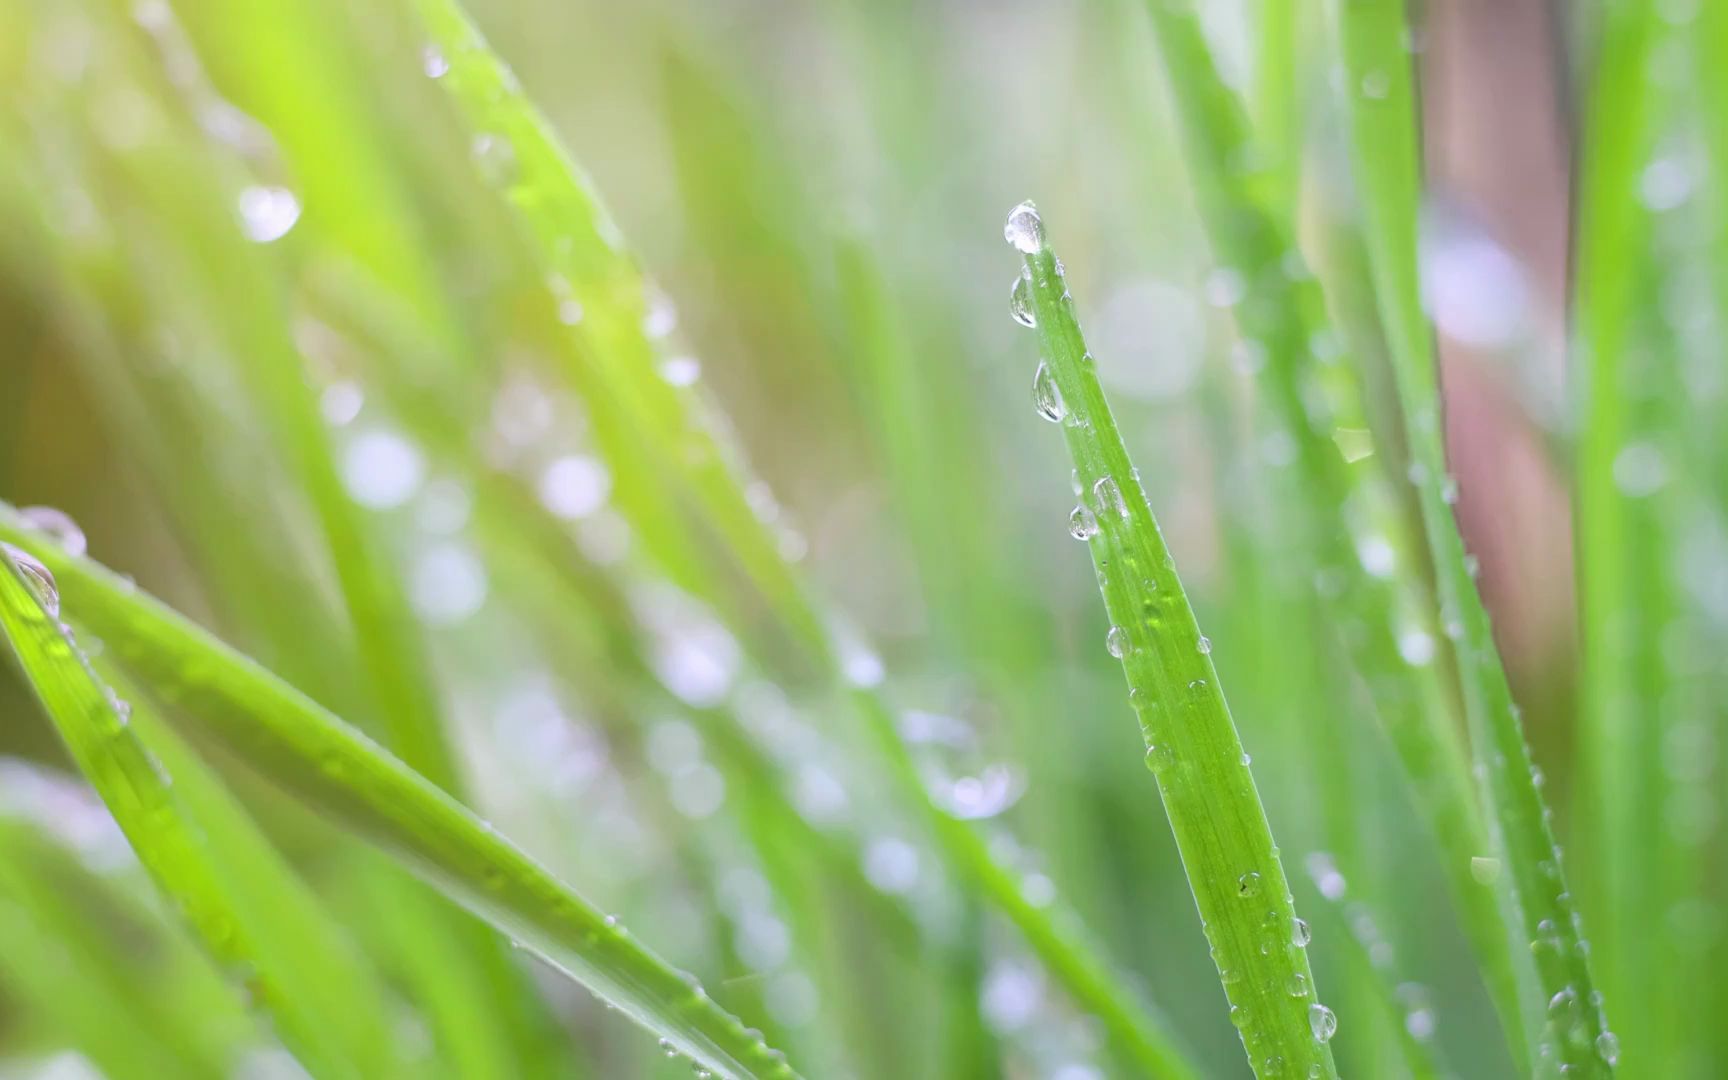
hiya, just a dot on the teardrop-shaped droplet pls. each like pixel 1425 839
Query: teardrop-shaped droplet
pixel 41 580
pixel 1248 884
pixel 1204 644
pixel 1046 397
pixel 1300 935
pixel 1298 985
pixel 1322 1022
pixel 1107 497
pixel 1081 524
pixel 1116 641
pixel 1020 300
pixel 1025 229
pixel 58 525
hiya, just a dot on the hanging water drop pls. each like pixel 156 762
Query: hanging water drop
pixel 1081 524
pixel 267 213
pixel 1020 300
pixel 433 62
pixel 1322 1022
pixel 1024 229
pixel 1300 934
pixel 58 525
pixel 1116 641
pixel 1046 396
pixel 667 1048
pixel 1204 645
pixel 1608 1048
pixel 39 578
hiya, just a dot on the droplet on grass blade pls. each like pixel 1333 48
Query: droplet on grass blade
pixel 433 62
pixel 40 579
pixel 1020 300
pixel 1024 229
pixel 1248 884
pixel 1485 870
pixel 1082 525
pixel 267 213
pixel 1046 397
pixel 1300 934
pixel 1107 497
pixel 1116 641
pixel 1323 1022
pixel 58 525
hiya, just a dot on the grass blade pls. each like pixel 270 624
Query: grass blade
pixel 1192 748
pixel 311 753
pixel 1311 400
pixel 1381 93
pixel 202 853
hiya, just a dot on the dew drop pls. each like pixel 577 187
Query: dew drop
pixel 267 213
pixel 1082 525
pixel 1107 497
pixel 58 525
pixel 1322 1022
pixel 433 62
pixel 1204 645
pixel 1046 397
pixel 1608 1048
pixel 1248 884
pixel 1485 869
pixel 1160 757
pixel 1020 300
pixel 40 579
pixel 1116 641
pixel 667 1048
pixel 1024 229
pixel 1298 985
pixel 1300 934
pixel 1239 1016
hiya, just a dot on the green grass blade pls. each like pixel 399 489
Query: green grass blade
pixel 580 247
pixel 308 751
pixel 1382 108
pixel 201 852
pixel 1311 400
pixel 1192 748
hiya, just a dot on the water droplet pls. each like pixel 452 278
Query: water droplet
pixel 1449 490
pixel 1046 397
pixel 1081 524
pixel 267 213
pixel 1300 934
pixel 681 370
pixel 1159 757
pixel 1416 647
pixel 1116 641
pixel 1322 1022
pixel 611 922
pixel 1298 985
pixel 1025 229
pixel 1204 645
pixel 496 158
pixel 433 62
pixel 1485 869
pixel 1239 1015
pixel 1376 85
pixel 1608 1048
pixel 40 579
pixel 575 486
pixel 668 1049
pixel 1020 300
pixel 1107 497
pixel 1248 884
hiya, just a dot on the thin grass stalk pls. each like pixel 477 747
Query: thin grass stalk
pixel 582 250
pixel 1281 318
pixel 1192 748
pixel 309 752
pixel 1382 109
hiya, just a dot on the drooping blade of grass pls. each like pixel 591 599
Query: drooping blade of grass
pixel 314 755
pixel 1621 743
pixel 580 247
pixel 1382 109
pixel 1191 743
pixel 1282 314
pixel 228 883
